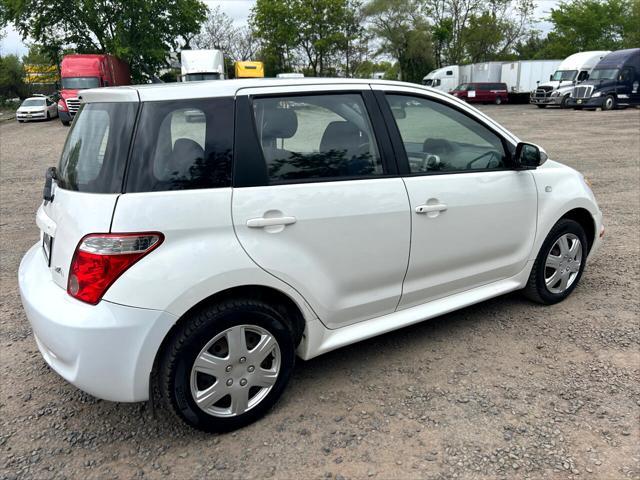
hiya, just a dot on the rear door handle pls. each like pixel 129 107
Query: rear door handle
pixel 270 222
pixel 438 207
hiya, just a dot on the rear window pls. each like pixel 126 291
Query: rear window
pixel 182 145
pixel 95 153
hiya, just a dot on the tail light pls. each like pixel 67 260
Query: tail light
pixel 101 258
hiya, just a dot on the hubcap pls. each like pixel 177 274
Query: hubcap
pixel 563 263
pixel 235 371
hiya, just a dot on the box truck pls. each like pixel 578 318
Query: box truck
pixel 573 70
pixel 82 71
pixel 196 65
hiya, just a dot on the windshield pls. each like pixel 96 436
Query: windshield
pixel 193 77
pixel 94 156
pixel 604 74
pixel 77 83
pixel 463 87
pixel 564 75
pixel 33 102
pixel 427 82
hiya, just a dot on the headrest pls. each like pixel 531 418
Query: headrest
pixel 279 123
pixel 187 149
pixel 340 136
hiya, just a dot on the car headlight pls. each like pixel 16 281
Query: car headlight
pixel 596 94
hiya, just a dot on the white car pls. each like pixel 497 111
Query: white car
pixel 297 217
pixel 36 108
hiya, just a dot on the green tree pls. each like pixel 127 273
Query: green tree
pixel 403 34
pixel 141 32
pixel 593 25
pixel 11 77
pixel 273 24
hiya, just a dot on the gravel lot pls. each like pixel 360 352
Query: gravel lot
pixel 503 389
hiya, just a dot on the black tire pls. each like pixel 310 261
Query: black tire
pixel 498 100
pixel 178 357
pixel 66 124
pixel 565 100
pixel 609 103
pixel 536 288
pixel 541 106
pixel 48 116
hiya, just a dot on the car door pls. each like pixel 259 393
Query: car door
pixel 316 201
pixel 473 217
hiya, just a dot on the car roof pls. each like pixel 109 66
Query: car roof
pixel 218 88
pixel 38 97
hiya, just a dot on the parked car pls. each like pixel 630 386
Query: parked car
pixel 484 92
pixel 336 210
pixel 36 108
pixel 613 83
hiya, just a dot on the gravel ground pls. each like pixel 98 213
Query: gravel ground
pixel 504 389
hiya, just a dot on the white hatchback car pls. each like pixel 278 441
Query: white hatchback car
pixel 195 254
pixel 36 108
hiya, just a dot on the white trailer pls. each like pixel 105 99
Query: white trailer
pixel 522 77
pixel 201 65
pixel 486 72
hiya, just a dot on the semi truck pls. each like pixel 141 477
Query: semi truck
pixel 573 70
pixel 523 77
pixel 82 71
pixel 196 65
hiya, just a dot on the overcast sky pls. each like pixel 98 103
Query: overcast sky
pixel 239 11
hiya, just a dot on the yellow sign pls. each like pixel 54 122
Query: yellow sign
pixel 249 69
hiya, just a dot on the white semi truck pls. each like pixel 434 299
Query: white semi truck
pixel 522 77
pixel 201 65
pixel 574 69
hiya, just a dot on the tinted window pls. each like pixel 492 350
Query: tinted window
pixel 94 156
pixel 438 138
pixel 322 136
pixel 182 145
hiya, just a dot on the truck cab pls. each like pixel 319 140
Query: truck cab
pixel 444 79
pixel 198 65
pixel 614 82
pixel 573 70
pixel 83 71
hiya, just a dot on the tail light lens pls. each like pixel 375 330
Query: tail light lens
pixel 101 258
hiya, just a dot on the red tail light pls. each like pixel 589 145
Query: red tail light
pixel 100 258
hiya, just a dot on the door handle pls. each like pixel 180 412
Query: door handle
pixel 270 222
pixel 438 207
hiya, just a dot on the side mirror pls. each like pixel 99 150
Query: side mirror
pixel 551 77
pixel 50 176
pixel 529 156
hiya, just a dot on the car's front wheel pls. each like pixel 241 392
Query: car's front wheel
pixel 609 103
pixel 227 365
pixel 559 264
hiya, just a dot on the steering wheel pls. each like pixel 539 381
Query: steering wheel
pixel 493 154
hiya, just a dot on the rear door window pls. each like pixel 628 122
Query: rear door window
pixel 316 137
pixel 182 145
pixel 95 153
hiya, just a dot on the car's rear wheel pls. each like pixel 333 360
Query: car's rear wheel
pixel 559 264
pixel 541 106
pixel 498 100
pixel 227 365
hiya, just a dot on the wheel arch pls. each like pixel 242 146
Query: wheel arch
pixel 286 305
pixel 586 221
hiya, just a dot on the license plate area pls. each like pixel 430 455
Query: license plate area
pixel 47 246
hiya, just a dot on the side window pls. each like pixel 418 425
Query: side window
pixel 583 75
pixel 316 137
pixel 625 75
pixel 437 83
pixel 438 138
pixel 182 145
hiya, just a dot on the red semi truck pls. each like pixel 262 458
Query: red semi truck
pixel 82 71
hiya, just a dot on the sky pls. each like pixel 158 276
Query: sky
pixel 239 11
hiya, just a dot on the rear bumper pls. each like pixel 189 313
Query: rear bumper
pixel 106 350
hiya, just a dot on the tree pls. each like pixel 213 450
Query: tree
pixel 12 77
pixel 593 25
pixel 141 32
pixel 219 32
pixel 403 34
pixel 273 24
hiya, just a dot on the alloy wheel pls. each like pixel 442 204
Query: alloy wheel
pixel 563 263
pixel 235 371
